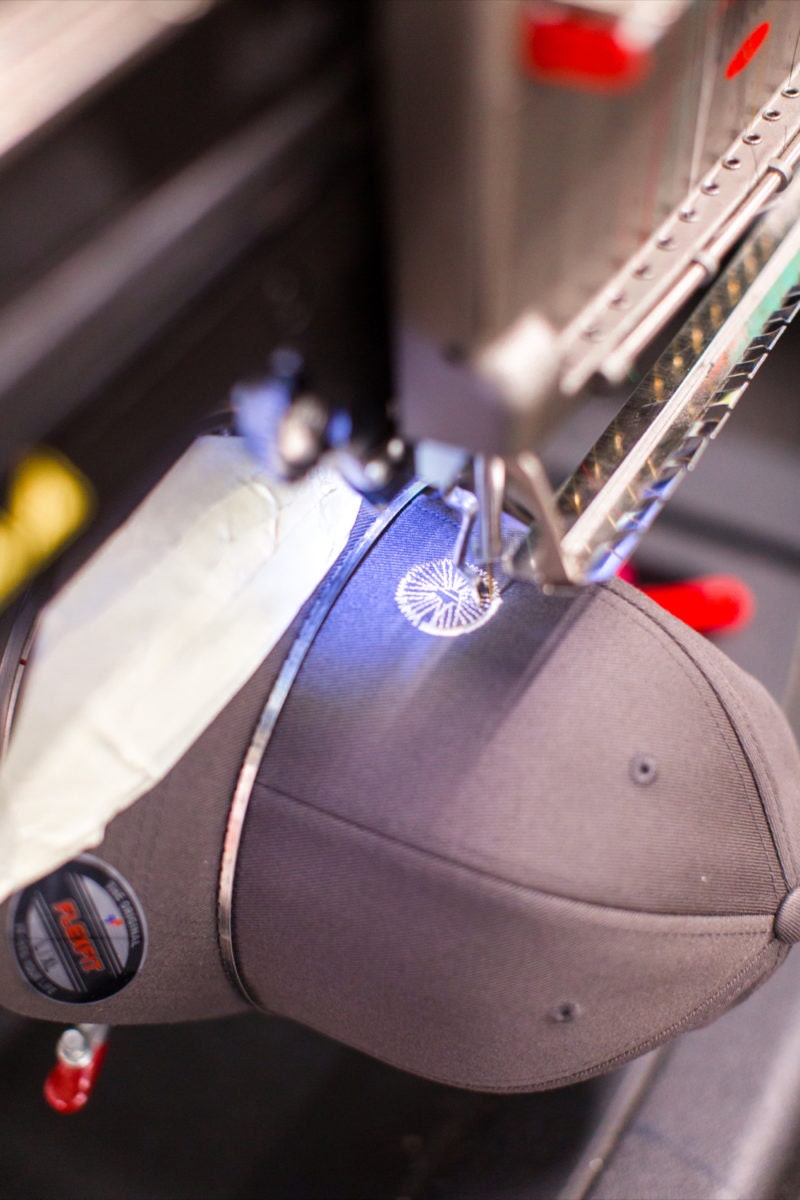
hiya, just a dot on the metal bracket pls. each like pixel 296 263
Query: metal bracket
pixel 540 557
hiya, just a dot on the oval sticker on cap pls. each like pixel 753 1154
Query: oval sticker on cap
pixel 78 935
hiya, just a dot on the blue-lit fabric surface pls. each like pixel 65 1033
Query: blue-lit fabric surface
pixel 370 660
pixel 446 843
pixel 468 746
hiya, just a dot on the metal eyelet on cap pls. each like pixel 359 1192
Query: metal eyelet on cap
pixel 565 1013
pixel 643 769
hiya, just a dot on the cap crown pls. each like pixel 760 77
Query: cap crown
pixel 451 838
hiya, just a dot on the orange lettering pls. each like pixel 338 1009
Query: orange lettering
pixel 67 910
pixel 76 932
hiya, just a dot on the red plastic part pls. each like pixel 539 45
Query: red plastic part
pixel 751 44
pixel 713 604
pixel 580 50
pixel 67 1088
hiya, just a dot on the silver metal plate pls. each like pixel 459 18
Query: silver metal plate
pixel 683 403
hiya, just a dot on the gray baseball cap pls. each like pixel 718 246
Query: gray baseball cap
pixel 500 839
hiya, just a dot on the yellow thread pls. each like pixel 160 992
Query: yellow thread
pixel 49 502
pixel 14 565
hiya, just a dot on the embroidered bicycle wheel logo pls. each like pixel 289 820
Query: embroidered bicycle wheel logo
pixel 437 599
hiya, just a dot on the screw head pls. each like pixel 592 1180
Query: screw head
pixel 74 1048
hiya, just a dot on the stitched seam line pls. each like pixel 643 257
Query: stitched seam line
pixel 765 768
pixel 732 700
pixel 672 644
pixel 677 1027
pixel 521 888
pixel 631 1051
pixel 443 518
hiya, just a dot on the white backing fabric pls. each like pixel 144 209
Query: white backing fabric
pixel 152 638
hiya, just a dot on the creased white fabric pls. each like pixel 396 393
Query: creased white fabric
pixel 150 640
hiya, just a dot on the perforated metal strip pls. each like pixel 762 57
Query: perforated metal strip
pixel 683 402
pixel 689 245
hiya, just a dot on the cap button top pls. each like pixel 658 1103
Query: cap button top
pixel 787 919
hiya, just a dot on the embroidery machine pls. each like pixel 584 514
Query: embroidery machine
pixel 408 236
pixel 203 203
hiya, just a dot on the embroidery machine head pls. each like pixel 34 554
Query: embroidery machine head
pixel 551 213
pixel 557 182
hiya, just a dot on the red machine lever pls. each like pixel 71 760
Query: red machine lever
pixel 712 604
pixel 709 604
pixel 80 1054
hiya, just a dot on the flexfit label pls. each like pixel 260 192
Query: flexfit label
pixel 441 600
pixel 78 935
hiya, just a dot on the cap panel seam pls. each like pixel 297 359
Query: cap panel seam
pixel 766 770
pixel 757 812
pixel 671 643
pixel 633 1051
pixel 730 699
pixel 523 889
pixel 687 1023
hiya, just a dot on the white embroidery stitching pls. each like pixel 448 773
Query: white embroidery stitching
pixel 437 599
